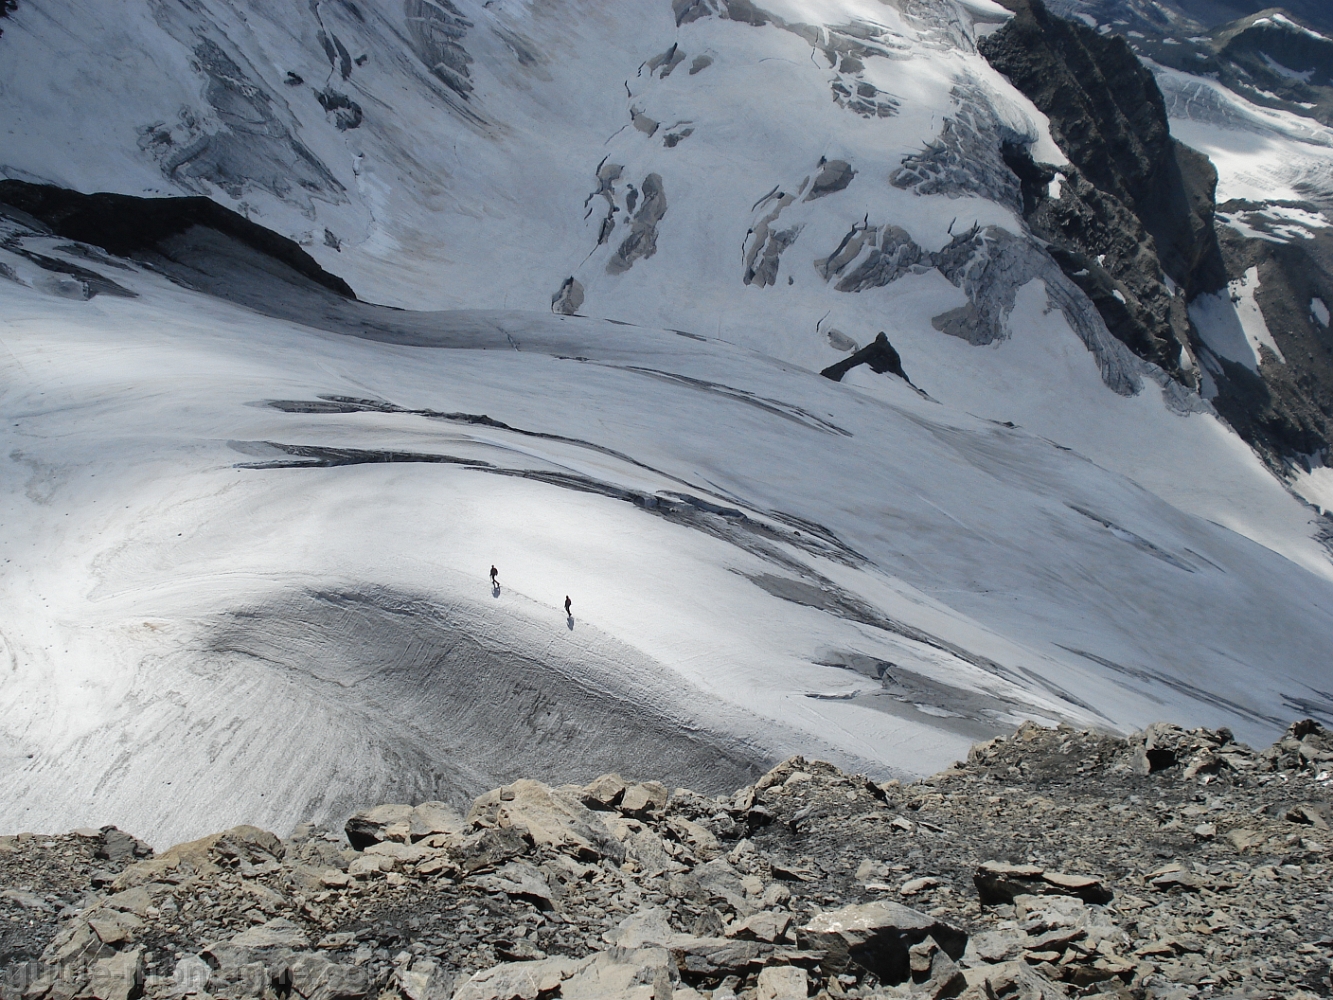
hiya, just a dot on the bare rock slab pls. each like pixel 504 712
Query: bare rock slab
pixel 877 937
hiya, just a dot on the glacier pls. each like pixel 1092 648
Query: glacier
pixel 598 253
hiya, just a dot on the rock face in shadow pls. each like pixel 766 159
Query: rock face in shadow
pixel 1282 407
pixel 878 354
pixel 1139 205
pixel 1133 224
pixel 134 227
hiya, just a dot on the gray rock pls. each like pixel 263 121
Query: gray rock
pixel 782 982
pixel 191 975
pixel 551 817
pixel 623 972
pixel 877 937
pixel 425 980
pixel 520 980
pixel 646 927
pixel 717 956
pixel 641 242
pixel 118 977
pixel 569 300
pixel 522 881
pixel 27 900
pixel 834 175
pixel 604 792
pixel 999 882
pixel 644 799
pixel 315 977
pixel 934 972
pixel 277 933
pixel 387 822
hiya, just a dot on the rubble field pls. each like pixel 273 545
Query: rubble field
pixel 1051 863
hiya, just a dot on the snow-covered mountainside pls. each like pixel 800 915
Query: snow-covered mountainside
pixel 600 254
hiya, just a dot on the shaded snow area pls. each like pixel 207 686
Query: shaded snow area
pixel 1232 324
pixel 247 523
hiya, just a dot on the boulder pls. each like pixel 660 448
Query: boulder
pixel 521 881
pixel 279 933
pixel 934 973
pixel 548 816
pixel 623 974
pixel 765 925
pixel 998 882
pixel 191 975
pixel 117 845
pixel 202 857
pixel 489 849
pixel 118 977
pixel 76 947
pixel 114 928
pixel 644 799
pixel 703 840
pixel 877 937
pixel 520 980
pixel 373 826
pixel 370 864
pixel 995 946
pixel 405 853
pixel 249 844
pixel 314 977
pixel 136 901
pixel 425 980
pixel 647 850
pixel 644 927
pixel 1014 979
pixel 604 792
pixel 722 883
pixel 435 818
pixel 404 824
pixel 708 956
pixel 782 982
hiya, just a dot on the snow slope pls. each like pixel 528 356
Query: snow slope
pixel 282 611
pixel 217 578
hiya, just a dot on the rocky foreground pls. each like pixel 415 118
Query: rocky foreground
pixel 1052 863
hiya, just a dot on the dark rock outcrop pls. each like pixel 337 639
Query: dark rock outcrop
pixel 878 354
pixel 1285 408
pixel 1138 209
pixel 141 227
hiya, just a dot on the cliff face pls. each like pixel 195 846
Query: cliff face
pixel 1134 215
pixel 1282 404
pixel 1228 303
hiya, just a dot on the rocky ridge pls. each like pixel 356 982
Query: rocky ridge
pixel 1052 863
